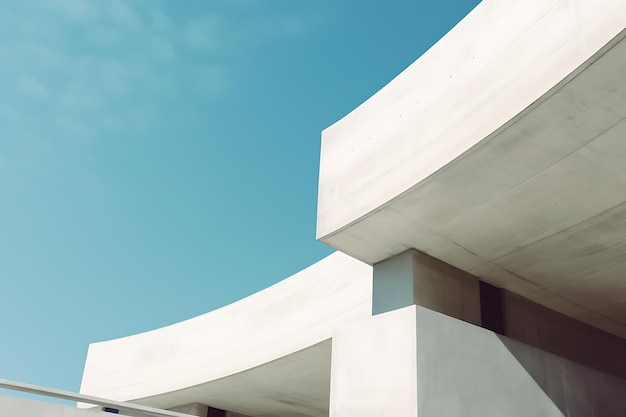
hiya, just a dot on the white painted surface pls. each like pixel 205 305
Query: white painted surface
pixel 268 353
pixel 374 366
pixel 501 152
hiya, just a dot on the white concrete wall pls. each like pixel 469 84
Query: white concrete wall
pixel 414 361
pixel 288 317
pixel 546 329
pixel 469 371
pixel 374 366
pixel 499 60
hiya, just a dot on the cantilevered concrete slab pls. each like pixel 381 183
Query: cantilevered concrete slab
pixel 501 151
pixel 267 354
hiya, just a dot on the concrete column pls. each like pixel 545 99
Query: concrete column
pixel 201 410
pixel 413 277
pixel 194 409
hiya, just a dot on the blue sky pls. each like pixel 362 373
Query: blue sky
pixel 159 159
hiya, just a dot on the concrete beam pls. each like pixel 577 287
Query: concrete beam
pixel 416 278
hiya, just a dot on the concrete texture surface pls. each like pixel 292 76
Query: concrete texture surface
pixel 374 366
pixel 416 278
pixel 538 326
pixel 330 356
pixel 267 354
pixel 194 409
pixel 415 361
pixel 464 370
pixel 500 151
pixel 202 410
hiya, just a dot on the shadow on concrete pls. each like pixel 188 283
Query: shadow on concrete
pixel 578 391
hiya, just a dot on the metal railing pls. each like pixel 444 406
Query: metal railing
pixel 121 406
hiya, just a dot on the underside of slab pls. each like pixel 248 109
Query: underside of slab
pixel 500 152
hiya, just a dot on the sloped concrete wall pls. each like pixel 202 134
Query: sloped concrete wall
pixel 546 329
pixel 415 361
pixel 464 370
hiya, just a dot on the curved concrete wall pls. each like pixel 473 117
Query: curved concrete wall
pixel 500 152
pixel 494 64
pixel 285 318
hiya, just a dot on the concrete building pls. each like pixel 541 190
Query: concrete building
pixel 478 206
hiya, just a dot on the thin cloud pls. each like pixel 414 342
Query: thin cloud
pixel 162 49
pixel 206 32
pixel 92 62
pixel 72 9
pixel 211 80
pixel 160 22
pixel 32 87
pixel 104 35
pixel 125 16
